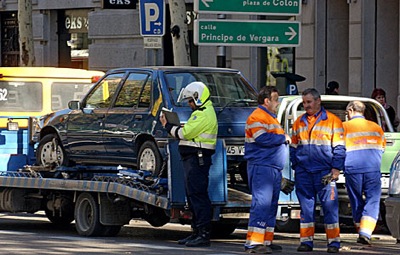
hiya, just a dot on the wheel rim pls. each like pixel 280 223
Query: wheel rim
pixel 85 215
pixel 50 156
pixel 148 160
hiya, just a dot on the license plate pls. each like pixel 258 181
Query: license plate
pixel 385 182
pixel 234 150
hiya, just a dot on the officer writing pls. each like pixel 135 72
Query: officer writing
pixel 364 140
pixel 197 144
pixel 266 151
pixel 317 154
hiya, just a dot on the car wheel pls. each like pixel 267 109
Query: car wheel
pixel 50 152
pixel 150 158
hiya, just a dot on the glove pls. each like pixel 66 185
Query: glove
pixel 326 179
pixel 287 185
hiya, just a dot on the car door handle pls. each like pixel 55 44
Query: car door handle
pixel 389 142
pixel 138 117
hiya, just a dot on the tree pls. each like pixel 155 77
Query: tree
pixel 26 49
pixel 179 31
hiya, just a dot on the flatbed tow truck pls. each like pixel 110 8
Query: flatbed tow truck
pixel 101 199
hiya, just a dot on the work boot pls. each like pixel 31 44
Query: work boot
pixel 189 238
pixel 363 240
pixel 202 239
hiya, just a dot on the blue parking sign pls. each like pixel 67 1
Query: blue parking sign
pixel 152 17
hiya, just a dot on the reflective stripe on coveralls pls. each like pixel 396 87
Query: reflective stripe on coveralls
pixel 364 140
pixel 317 147
pixel 266 153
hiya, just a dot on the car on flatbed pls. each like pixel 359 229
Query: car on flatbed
pixel 117 121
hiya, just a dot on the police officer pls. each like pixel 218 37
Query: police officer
pixel 198 138
pixel 317 152
pixel 364 140
pixel 266 152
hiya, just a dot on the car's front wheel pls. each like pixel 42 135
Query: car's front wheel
pixel 50 152
pixel 150 158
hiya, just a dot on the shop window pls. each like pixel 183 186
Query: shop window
pixel 9 39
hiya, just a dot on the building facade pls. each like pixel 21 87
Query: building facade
pixel 355 42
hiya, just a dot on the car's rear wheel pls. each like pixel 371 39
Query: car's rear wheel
pixel 150 158
pixel 50 152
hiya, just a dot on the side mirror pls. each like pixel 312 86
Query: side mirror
pixel 74 105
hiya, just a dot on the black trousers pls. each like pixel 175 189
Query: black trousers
pixel 196 186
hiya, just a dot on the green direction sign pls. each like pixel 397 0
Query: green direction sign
pixel 247 33
pixel 257 7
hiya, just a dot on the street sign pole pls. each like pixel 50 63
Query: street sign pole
pixel 152 26
pixel 259 33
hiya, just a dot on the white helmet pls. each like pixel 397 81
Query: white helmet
pixel 197 91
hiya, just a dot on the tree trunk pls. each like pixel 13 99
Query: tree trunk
pixel 179 31
pixel 26 49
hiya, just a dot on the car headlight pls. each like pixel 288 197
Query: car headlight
pixel 394 184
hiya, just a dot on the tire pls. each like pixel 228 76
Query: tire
pixel 110 231
pixel 149 158
pixel 87 216
pixel 223 229
pixel 48 156
pixel 67 216
pixel 157 217
pixel 288 226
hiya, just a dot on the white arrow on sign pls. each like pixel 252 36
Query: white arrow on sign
pixel 292 33
pixel 205 2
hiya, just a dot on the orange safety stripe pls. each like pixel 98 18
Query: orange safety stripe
pixel 306 232
pixel 332 232
pixel 367 223
pixel 363 134
pixel 322 131
pixel 269 236
pixel 255 237
pixel 257 123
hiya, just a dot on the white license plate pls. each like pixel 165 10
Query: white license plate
pixel 234 150
pixel 385 182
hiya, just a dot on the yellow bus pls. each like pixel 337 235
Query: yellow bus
pixel 36 91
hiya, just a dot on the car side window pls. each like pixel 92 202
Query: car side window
pixel 101 96
pixel 135 92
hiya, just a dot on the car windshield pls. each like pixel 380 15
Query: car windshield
pixel 226 89
pixel 21 96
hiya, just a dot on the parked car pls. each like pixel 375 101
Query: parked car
pixel 117 122
pixel 392 202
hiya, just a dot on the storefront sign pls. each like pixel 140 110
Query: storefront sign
pixel 119 4
pixel 76 21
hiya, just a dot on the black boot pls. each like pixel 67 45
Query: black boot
pixel 202 239
pixel 189 238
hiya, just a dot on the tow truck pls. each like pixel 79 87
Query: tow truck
pixel 101 199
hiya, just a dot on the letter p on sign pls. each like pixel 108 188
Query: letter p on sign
pixel 152 13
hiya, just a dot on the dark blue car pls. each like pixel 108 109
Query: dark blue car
pixel 117 122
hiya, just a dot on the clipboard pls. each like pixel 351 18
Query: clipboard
pixel 172 117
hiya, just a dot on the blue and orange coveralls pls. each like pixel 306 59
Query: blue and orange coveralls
pixel 317 147
pixel 266 153
pixel 365 143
